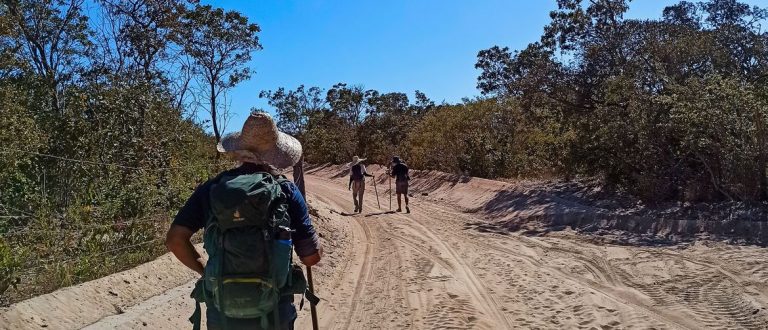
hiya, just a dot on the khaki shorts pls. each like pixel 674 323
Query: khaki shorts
pixel 401 187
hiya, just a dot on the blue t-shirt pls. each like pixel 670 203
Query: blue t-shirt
pixel 193 214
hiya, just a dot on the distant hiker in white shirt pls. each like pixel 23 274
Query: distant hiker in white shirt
pixel 357 176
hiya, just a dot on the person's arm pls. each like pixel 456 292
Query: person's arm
pixel 177 240
pixel 188 220
pixel 349 187
pixel 365 172
pixel 305 239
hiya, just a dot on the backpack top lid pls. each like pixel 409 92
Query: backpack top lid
pixel 246 200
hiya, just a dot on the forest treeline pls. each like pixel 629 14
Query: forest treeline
pixel 671 109
pixel 106 109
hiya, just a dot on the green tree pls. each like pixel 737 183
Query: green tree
pixel 615 88
pixel 220 44
pixel 349 102
pixel 136 35
pixel 54 36
pixel 295 108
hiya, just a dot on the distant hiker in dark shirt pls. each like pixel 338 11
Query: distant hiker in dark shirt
pixel 262 215
pixel 400 172
pixel 357 176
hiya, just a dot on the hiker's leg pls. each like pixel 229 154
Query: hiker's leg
pixel 361 193
pixel 355 193
pixel 287 315
pixel 398 201
pixel 402 189
pixel 212 318
pixel 407 209
pixel 406 198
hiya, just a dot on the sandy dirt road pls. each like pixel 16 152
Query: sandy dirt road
pixel 436 268
pixel 432 269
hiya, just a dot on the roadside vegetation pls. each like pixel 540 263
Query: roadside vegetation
pixel 105 113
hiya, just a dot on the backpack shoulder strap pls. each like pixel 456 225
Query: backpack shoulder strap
pixel 209 212
pixel 281 179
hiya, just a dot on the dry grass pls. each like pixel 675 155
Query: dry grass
pixel 39 261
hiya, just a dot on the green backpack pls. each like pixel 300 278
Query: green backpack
pixel 247 238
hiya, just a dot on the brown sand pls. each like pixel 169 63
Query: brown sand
pixel 433 269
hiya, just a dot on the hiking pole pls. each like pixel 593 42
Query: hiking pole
pixel 377 192
pixel 298 177
pixel 312 308
pixel 390 187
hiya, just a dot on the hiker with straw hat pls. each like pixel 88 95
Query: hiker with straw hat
pixel 357 176
pixel 253 219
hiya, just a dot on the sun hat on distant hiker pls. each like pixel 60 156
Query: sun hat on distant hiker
pixel 356 160
pixel 395 159
pixel 260 142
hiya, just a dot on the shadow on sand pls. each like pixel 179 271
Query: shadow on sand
pixel 379 213
pixel 343 214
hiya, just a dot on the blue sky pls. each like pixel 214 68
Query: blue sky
pixel 391 45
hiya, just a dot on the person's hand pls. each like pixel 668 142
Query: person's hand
pixel 313 259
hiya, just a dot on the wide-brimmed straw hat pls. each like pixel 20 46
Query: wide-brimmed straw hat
pixel 356 160
pixel 260 142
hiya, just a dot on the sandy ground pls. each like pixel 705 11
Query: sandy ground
pixel 436 269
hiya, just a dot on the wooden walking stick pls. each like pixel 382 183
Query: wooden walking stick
pixel 389 174
pixel 298 177
pixel 377 192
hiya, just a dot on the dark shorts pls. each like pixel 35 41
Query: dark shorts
pixel 287 312
pixel 401 187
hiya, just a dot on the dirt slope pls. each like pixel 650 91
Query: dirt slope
pixel 439 268
pixel 80 305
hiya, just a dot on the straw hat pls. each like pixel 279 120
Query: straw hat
pixel 260 142
pixel 356 160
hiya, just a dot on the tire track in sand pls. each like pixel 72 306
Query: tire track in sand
pixel 362 277
pixel 599 287
pixel 462 272
pixel 373 292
